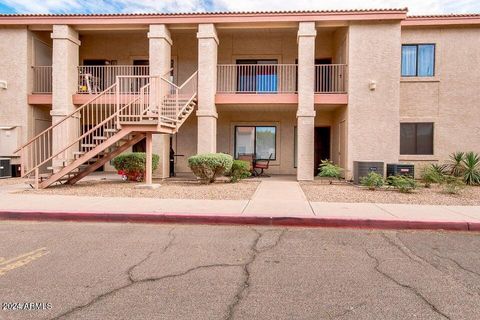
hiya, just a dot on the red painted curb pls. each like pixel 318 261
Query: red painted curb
pixel 474 226
pixel 237 220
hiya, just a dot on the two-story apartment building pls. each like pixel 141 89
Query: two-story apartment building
pixel 295 87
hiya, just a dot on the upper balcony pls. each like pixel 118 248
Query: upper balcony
pixel 264 83
pixel 255 65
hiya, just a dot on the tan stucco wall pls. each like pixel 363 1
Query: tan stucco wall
pixel 121 46
pixel 257 44
pixel 451 98
pixel 185 54
pixel 373 115
pixel 16 53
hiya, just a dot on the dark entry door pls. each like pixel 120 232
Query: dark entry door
pixel 321 145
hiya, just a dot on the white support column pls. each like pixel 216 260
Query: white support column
pixel 160 43
pixel 207 87
pixel 64 84
pixel 306 110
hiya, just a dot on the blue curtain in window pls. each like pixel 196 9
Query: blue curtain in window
pixel 409 61
pixel 266 78
pixel 426 57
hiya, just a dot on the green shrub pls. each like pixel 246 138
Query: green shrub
pixel 329 170
pixel 471 168
pixel 452 185
pixel 132 164
pixel 240 170
pixel 208 166
pixel 403 183
pixel 433 173
pixel 373 181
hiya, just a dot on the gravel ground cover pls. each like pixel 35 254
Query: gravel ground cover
pixel 221 190
pixel 11 181
pixel 321 192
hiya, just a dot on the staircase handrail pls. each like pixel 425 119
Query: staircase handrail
pixel 68 116
pixel 83 135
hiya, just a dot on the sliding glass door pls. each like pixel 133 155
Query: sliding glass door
pixel 257 76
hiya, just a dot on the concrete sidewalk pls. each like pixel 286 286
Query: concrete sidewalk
pixel 273 201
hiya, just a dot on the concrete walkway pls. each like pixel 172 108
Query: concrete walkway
pixel 273 198
pixel 279 198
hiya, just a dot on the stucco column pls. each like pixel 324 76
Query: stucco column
pixel 207 87
pixel 148 158
pixel 306 110
pixel 160 47
pixel 65 80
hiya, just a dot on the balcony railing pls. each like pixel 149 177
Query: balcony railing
pixel 331 78
pixel 256 78
pixel 95 79
pixel 278 78
pixel 42 79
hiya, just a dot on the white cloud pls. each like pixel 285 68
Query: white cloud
pixel 110 6
pixel 414 6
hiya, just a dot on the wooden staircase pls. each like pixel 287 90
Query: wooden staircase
pixel 106 126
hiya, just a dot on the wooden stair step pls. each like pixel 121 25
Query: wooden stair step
pixel 99 138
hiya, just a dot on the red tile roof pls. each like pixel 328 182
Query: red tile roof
pixel 200 13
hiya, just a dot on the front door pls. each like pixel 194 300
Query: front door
pixel 321 145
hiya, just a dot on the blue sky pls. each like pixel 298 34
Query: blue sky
pixel 119 6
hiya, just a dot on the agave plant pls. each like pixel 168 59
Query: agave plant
pixel 456 163
pixel 471 170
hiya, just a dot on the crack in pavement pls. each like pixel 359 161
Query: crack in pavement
pixel 241 292
pixel 458 264
pixel 410 253
pixel 131 280
pixel 405 250
pixel 406 286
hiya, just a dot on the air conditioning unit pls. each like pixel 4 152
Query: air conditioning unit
pixel 396 169
pixel 5 168
pixel 363 168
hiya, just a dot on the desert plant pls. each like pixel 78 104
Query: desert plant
pixel 240 170
pixel 208 166
pixel 433 173
pixel 456 163
pixel 403 183
pixel 373 181
pixel 132 164
pixel 329 170
pixel 471 168
pixel 452 184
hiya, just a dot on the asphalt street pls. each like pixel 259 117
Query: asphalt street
pixel 66 270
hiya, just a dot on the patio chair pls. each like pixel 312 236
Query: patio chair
pixel 262 165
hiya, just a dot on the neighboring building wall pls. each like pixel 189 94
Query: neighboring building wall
pixel 373 115
pixel 16 53
pixel 451 98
